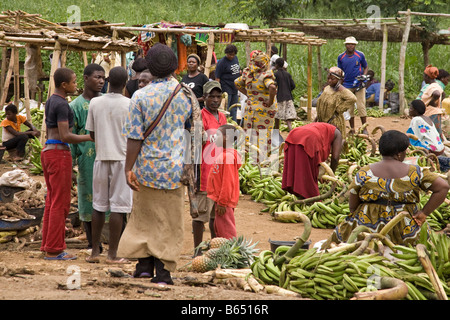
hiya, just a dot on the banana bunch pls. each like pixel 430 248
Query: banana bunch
pixel 35 156
pixel 358 155
pixel 411 271
pixel 37 116
pixel 295 124
pixel 327 214
pixel 321 275
pixel 414 276
pixel 6 236
pixel 440 217
pixel 13 235
pixel 375 112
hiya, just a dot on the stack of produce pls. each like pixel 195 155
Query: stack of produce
pixel 263 183
pixel 361 270
pixel 35 156
pixel 235 253
pixel 13 211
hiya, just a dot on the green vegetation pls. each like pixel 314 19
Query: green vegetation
pixel 213 12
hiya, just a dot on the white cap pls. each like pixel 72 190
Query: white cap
pixel 350 40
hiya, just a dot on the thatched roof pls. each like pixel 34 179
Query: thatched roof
pixel 362 29
pixel 275 35
pixel 101 28
pixel 18 28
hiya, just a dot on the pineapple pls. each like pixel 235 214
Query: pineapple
pixel 233 253
pixel 211 253
pixel 217 242
pixel 203 263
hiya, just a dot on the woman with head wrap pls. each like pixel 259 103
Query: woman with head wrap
pixel 432 97
pixel 334 101
pixel 257 82
pixel 194 79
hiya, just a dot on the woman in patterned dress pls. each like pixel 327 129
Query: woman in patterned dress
pixel 257 82
pixel 381 190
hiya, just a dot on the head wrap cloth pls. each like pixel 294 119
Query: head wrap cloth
pixel 431 71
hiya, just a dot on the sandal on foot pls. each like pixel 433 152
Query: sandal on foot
pixel 143 275
pixel 61 256
pixel 92 259
pixel 119 261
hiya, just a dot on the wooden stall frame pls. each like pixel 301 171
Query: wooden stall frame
pixel 251 35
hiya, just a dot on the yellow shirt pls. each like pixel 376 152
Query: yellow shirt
pixel 15 125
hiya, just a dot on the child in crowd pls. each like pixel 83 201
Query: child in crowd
pixel 110 191
pixel 57 165
pixel 212 119
pixel 15 140
pixel 223 181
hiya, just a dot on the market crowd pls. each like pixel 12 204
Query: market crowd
pixel 138 136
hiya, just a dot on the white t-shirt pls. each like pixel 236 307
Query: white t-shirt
pixel 106 118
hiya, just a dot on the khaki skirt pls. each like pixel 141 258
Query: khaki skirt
pixel 155 227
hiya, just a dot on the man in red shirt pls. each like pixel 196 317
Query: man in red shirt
pixel 212 120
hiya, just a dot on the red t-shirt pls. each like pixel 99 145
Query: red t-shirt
pixel 210 124
pixel 223 179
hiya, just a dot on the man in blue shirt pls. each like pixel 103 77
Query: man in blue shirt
pixel 373 92
pixel 228 70
pixel 354 64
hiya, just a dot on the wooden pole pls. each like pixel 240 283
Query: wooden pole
pixel 63 58
pixel 401 65
pixel 309 107
pixel 4 66
pixel 284 51
pixel 123 59
pixel 51 84
pixel 85 59
pixel 26 91
pixel 16 76
pixel 319 69
pixel 269 47
pixel 209 53
pixel 7 81
pixel 248 50
pixel 383 67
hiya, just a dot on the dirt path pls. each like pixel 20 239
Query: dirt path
pixel 25 275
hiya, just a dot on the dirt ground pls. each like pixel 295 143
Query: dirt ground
pixel 25 275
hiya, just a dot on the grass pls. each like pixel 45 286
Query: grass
pixel 134 12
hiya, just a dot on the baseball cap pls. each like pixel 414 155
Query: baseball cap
pixel 207 87
pixel 350 40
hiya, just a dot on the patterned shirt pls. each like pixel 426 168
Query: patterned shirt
pixel 160 161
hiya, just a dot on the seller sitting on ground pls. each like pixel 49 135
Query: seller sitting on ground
pixel 382 190
pixel 15 140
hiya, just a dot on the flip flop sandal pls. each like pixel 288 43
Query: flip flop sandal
pixel 61 256
pixel 120 261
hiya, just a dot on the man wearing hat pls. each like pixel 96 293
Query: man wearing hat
pixel 154 167
pixel 354 64
pixel 212 119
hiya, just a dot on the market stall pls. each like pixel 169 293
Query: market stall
pixel 23 31
pixel 201 39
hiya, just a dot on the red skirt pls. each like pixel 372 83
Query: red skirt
pixel 300 172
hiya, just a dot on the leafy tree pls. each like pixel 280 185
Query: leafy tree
pixel 268 11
